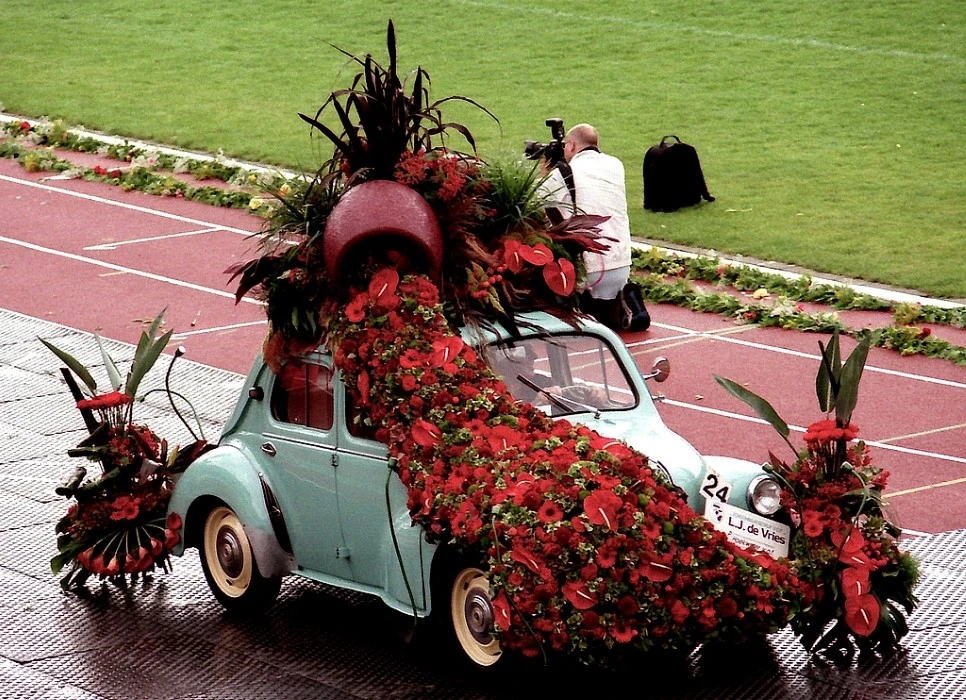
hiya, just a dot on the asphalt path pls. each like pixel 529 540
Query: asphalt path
pixel 95 258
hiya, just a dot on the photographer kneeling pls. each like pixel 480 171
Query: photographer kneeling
pixel 598 188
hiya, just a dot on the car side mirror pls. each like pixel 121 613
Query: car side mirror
pixel 660 370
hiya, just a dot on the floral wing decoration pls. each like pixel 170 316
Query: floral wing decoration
pixel 117 524
pixel 845 545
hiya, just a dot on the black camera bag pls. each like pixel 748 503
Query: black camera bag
pixel 672 176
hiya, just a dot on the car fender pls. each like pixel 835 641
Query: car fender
pixel 227 474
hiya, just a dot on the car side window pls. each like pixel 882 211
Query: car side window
pixel 302 395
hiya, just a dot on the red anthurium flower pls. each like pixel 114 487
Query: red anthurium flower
pixel 383 285
pixel 538 255
pixel 174 521
pixel 426 434
pixel 854 543
pixel 511 255
pixel 657 567
pixel 601 508
pixel 445 350
pixel 579 595
pixel 857 559
pixel 524 556
pixel 501 611
pixel 502 437
pixel 560 276
pixel 855 581
pixel 862 614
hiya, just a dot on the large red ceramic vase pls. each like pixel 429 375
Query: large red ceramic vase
pixel 380 214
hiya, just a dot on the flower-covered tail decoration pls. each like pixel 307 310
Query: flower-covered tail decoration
pixel 845 548
pixel 117 524
pixel 592 553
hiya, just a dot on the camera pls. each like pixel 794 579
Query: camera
pixel 553 152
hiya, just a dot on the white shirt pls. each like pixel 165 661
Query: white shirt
pixel 599 183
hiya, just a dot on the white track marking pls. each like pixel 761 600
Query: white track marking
pixel 798 429
pixel 112 246
pixel 217 329
pixel 685 333
pixel 128 270
pixel 124 205
pixel 741 36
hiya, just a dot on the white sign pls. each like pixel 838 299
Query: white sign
pixel 747 529
pixel 713 486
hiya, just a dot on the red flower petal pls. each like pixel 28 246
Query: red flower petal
pixel 854 543
pixel 862 614
pixel 855 581
pixel 426 434
pixel 445 350
pixel 560 276
pixel 579 595
pixel 601 508
pixel 657 567
pixel 511 255
pixel 538 255
pixel 174 521
pixel 383 284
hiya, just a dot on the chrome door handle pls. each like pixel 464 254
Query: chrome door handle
pixel 268 448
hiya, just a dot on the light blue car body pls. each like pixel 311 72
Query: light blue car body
pixel 324 504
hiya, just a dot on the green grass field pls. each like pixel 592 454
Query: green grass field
pixel 832 134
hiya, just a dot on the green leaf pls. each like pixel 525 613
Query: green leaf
pixel 113 374
pixel 849 382
pixel 760 405
pixel 826 381
pixel 145 363
pixel 75 366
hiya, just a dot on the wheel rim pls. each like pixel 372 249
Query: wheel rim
pixel 228 552
pixel 472 612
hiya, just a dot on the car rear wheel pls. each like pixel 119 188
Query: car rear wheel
pixel 229 564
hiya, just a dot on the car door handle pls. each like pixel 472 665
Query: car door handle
pixel 268 448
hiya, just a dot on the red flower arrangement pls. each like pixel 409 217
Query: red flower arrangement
pixel 846 550
pixel 118 523
pixel 591 553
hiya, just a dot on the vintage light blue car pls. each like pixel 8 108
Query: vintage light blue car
pixel 297 485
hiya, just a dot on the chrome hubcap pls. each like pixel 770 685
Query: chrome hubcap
pixel 229 551
pixel 478 614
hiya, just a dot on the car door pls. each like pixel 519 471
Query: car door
pixel 372 501
pixel 300 457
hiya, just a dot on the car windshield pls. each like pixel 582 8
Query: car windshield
pixel 561 374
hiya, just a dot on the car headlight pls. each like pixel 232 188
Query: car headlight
pixel 765 495
pixel 658 467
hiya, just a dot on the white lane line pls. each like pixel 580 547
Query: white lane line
pixel 741 36
pixel 125 205
pixel 216 329
pixel 684 332
pixel 798 429
pixel 128 270
pixel 112 246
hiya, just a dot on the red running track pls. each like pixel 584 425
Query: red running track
pixel 89 256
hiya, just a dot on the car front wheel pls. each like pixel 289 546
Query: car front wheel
pixel 229 564
pixel 471 614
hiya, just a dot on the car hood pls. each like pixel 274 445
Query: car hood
pixel 655 440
